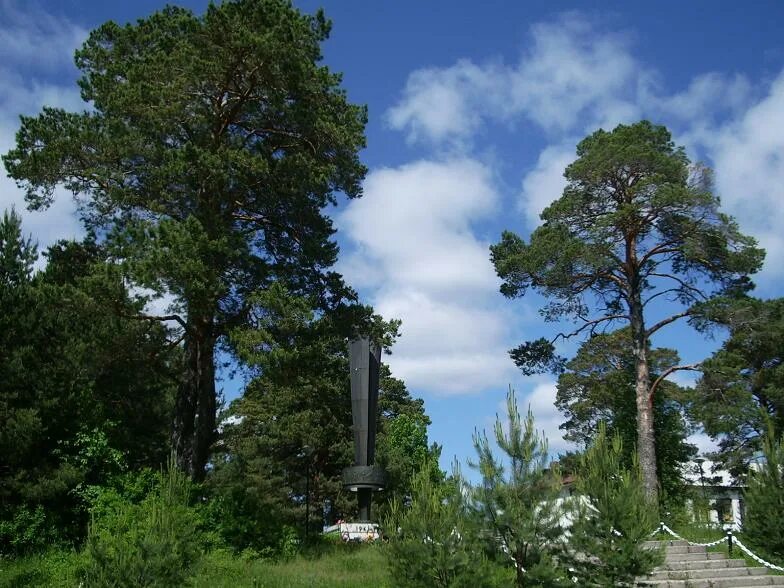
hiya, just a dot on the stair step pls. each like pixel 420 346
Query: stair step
pixel 738 582
pixel 686 549
pixel 693 566
pixel 681 557
pixel 709 574
pixel 704 564
pixel 660 544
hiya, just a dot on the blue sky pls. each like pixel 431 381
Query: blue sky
pixel 475 109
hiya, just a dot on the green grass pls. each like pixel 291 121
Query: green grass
pixel 55 569
pixel 338 566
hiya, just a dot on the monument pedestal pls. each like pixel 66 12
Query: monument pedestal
pixel 364 480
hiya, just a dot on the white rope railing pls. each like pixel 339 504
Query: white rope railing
pixel 730 539
pixel 755 557
pixel 663 527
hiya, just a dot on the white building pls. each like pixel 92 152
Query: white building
pixel 723 495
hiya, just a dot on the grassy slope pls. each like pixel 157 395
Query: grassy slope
pixel 339 567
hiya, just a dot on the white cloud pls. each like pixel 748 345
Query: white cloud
pixel 35 39
pixel 573 75
pixel 704 443
pixel 570 77
pixel 440 105
pixel 748 155
pixel 545 183
pixel 33 47
pixel 547 419
pixel 700 100
pixel 414 228
pixel 416 250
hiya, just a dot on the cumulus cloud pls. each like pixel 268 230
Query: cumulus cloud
pixel 569 77
pixel 414 226
pixel 417 252
pixel 35 39
pixel 36 47
pixel 574 77
pixel 545 182
pixel 747 153
pixel 443 105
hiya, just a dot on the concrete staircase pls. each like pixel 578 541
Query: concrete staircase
pixel 691 566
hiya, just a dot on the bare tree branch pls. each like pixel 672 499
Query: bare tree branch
pixel 592 324
pixel 161 318
pixel 676 368
pixel 667 321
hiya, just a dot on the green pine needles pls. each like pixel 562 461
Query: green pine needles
pixel 518 499
pixel 614 517
pixel 519 525
pixel 155 543
pixel 764 522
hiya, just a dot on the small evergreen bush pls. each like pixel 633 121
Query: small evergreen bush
pixel 155 543
pixel 519 503
pixel 614 517
pixel 432 539
pixel 764 522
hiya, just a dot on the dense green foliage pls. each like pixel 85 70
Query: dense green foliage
pixel 155 543
pixel 597 386
pixel 208 152
pixel 212 145
pixel 614 517
pixel 290 434
pixel 84 391
pixel 764 522
pixel 520 525
pixel 434 538
pixel 742 387
pixel 635 222
pixel 519 502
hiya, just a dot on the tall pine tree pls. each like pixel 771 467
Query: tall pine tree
pixel 636 223
pixel 212 145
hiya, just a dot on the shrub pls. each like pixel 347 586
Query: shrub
pixel 764 522
pixel 432 539
pixel 519 502
pixel 27 529
pixel 614 517
pixel 153 543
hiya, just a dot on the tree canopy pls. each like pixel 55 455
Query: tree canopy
pixel 742 386
pixel 209 147
pixel 597 389
pixel 85 392
pixel 636 239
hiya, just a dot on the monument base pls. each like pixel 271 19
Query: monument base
pixel 356 532
pixel 364 480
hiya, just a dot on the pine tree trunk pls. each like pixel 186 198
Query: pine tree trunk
pixel 646 443
pixel 194 410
